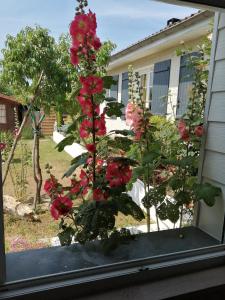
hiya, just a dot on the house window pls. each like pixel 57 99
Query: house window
pixel 150 88
pixel 2 114
pixel 143 78
pixel 113 92
pixel 125 92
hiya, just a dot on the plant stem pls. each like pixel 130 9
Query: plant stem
pixel 93 140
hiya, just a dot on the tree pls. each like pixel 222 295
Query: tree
pixel 31 68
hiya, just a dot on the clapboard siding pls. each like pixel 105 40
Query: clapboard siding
pixel 220 53
pixel 219 76
pixel 214 166
pixel 216 137
pixel 217 109
pixel 222 22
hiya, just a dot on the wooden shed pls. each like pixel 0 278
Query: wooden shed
pixel 7 112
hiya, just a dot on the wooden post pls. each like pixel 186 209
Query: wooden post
pixel 2 239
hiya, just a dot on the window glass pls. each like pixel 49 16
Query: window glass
pixel 114 88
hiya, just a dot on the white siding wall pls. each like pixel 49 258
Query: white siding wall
pixel 213 155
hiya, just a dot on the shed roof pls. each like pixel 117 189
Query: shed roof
pixel 9 99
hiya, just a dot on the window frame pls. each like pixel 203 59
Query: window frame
pixel 141 270
pixel 4 109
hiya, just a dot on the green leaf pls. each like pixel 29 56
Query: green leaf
pixel 207 192
pixel 76 162
pixel 69 140
pixel 114 109
pixel 108 81
pixel 121 143
pixel 66 236
pixel 127 206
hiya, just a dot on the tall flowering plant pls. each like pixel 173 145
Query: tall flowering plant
pixel 88 207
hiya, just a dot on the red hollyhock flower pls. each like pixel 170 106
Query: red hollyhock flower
pixel 87 107
pixel 84 179
pixel 92 22
pixel 126 174
pixel 100 125
pixel 74 56
pixel 99 195
pixel 118 174
pixel 2 146
pixel 78 40
pixel 61 206
pixel 91 147
pixel 75 189
pixel 50 185
pixel 92 85
pixel 199 131
pixel 183 131
pixel 85 128
pixel 81 24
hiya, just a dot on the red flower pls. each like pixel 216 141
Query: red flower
pixel 81 24
pixel 85 128
pixel 92 22
pixel 84 179
pixel 91 147
pixel 78 40
pixel 87 107
pixel 99 195
pixel 92 85
pixel 2 146
pixel 118 174
pixel 100 125
pixel 61 206
pixel 199 131
pixel 183 131
pixel 50 185
pixel 74 56
pixel 75 189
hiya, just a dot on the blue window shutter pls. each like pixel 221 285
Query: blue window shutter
pixel 185 82
pixel 160 87
pixel 114 88
pixel 125 92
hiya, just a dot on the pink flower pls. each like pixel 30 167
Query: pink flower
pixel 199 131
pixel 61 206
pixel 183 131
pixel 134 119
pixel 2 146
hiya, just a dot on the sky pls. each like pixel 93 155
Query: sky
pixel 121 21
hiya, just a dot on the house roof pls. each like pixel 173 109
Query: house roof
pixel 206 4
pixel 9 99
pixel 168 30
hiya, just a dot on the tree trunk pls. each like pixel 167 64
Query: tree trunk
pixel 36 163
pixel 11 154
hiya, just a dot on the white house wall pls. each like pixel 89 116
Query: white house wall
pixel 212 168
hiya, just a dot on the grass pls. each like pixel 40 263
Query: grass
pixel 24 234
